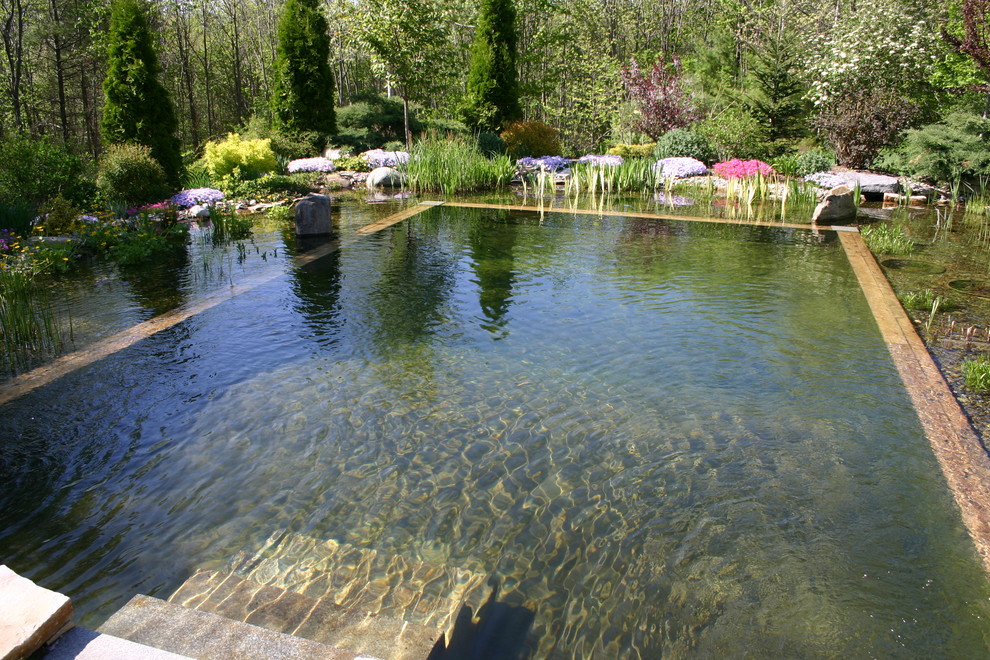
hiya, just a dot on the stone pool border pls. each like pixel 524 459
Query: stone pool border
pixel 962 456
pixel 957 447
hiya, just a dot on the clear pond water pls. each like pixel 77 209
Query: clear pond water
pixel 665 438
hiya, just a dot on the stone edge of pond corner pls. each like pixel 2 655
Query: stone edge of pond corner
pixel 22 384
pixel 959 450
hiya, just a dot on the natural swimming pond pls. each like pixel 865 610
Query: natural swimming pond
pixel 663 437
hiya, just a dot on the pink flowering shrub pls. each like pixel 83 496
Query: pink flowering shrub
pixel 737 169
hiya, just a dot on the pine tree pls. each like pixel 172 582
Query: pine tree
pixel 778 102
pixel 137 108
pixel 492 84
pixel 303 95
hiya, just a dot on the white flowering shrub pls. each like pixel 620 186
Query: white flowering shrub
pixel 882 46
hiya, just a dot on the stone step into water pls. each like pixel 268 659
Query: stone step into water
pixel 207 636
pixel 365 579
pixel 83 644
pixel 281 610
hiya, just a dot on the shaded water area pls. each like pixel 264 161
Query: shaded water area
pixel 663 437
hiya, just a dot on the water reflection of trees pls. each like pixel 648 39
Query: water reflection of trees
pixel 492 245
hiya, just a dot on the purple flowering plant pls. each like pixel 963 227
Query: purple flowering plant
pixel 318 164
pixel 680 168
pixel 380 158
pixel 547 163
pixel 194 196
pixel 595 159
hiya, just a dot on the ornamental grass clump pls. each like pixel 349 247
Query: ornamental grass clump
pixel 680 168
pixel 318 164
pixel 453 165
pixel 976 373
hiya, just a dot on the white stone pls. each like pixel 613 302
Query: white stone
pixel 384 177
pixel 29 615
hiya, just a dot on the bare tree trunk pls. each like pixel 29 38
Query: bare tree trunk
pixel 57 47
pixel 13 44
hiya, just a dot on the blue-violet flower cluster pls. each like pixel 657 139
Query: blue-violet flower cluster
pixel 548 163
pixel 194 196
pixel 380 158
pixel 680 168
pixel 318 164
pixel 594 159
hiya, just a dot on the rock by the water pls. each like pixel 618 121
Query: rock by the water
pixel 381 177
pixel 199 211
pixel 838 206
pixel 313 215
pixel 872 185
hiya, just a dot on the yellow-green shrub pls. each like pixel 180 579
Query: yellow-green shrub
pixel 531 139
pixel 633 150
pixel 251 158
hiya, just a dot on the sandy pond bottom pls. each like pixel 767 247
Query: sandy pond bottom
pixel 666 438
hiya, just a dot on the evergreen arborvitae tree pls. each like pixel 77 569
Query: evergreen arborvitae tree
pixel 303 95
pixel 137 108
pixel 492 84
pixel 778 104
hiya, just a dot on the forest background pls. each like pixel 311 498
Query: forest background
pixel 761 77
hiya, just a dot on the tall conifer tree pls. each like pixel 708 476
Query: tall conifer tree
pixel 137 107
pixel 492 85
pixel 303 95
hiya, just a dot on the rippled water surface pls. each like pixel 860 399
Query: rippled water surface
pixel 665 438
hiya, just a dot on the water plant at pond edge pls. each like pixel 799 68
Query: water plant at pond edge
pixel 29 327
pixel 976 373
pixel 452 165
pixel 887 239
pixel 229 226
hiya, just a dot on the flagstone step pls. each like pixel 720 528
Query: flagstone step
pixel 364 579
pixel 207 636
pixel 285 611
pixel 30 615
pixel 83 644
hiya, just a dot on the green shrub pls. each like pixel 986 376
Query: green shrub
pixel 372 120
pixel 444 126
pixel 735 134
pixel 282 213
pixel 956 149
pixel 490 143
pixel 250 157
pixel 633 150
pixel 128 173
pixel 269 186
pixel 976 373
pixel 35 169
pixel 352 164
pixel 59 217
pixel 813 161
pixel 197 176
pixel 394 145
pixel 683 143
pixel 531 139
pixel 451 165
pixel 17 217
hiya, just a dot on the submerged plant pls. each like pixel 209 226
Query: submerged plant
pixel 887 239
pixel 976 373
pixel 924 300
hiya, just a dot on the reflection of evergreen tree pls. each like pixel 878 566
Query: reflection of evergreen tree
pixel 154 288
pixel 491 246
pixel 317 288
pixel 417 278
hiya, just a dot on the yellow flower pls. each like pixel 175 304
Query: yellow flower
pixel 65 258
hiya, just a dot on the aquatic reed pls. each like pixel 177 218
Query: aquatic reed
pixel 29 327
pixel 451 165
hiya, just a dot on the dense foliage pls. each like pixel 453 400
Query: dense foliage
pixel 137 108
pixel 492 85
pixel 303 95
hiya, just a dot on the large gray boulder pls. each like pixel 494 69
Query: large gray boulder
pixel 382 177
pixel 873 185
pixel 313 215
pixel 838 206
